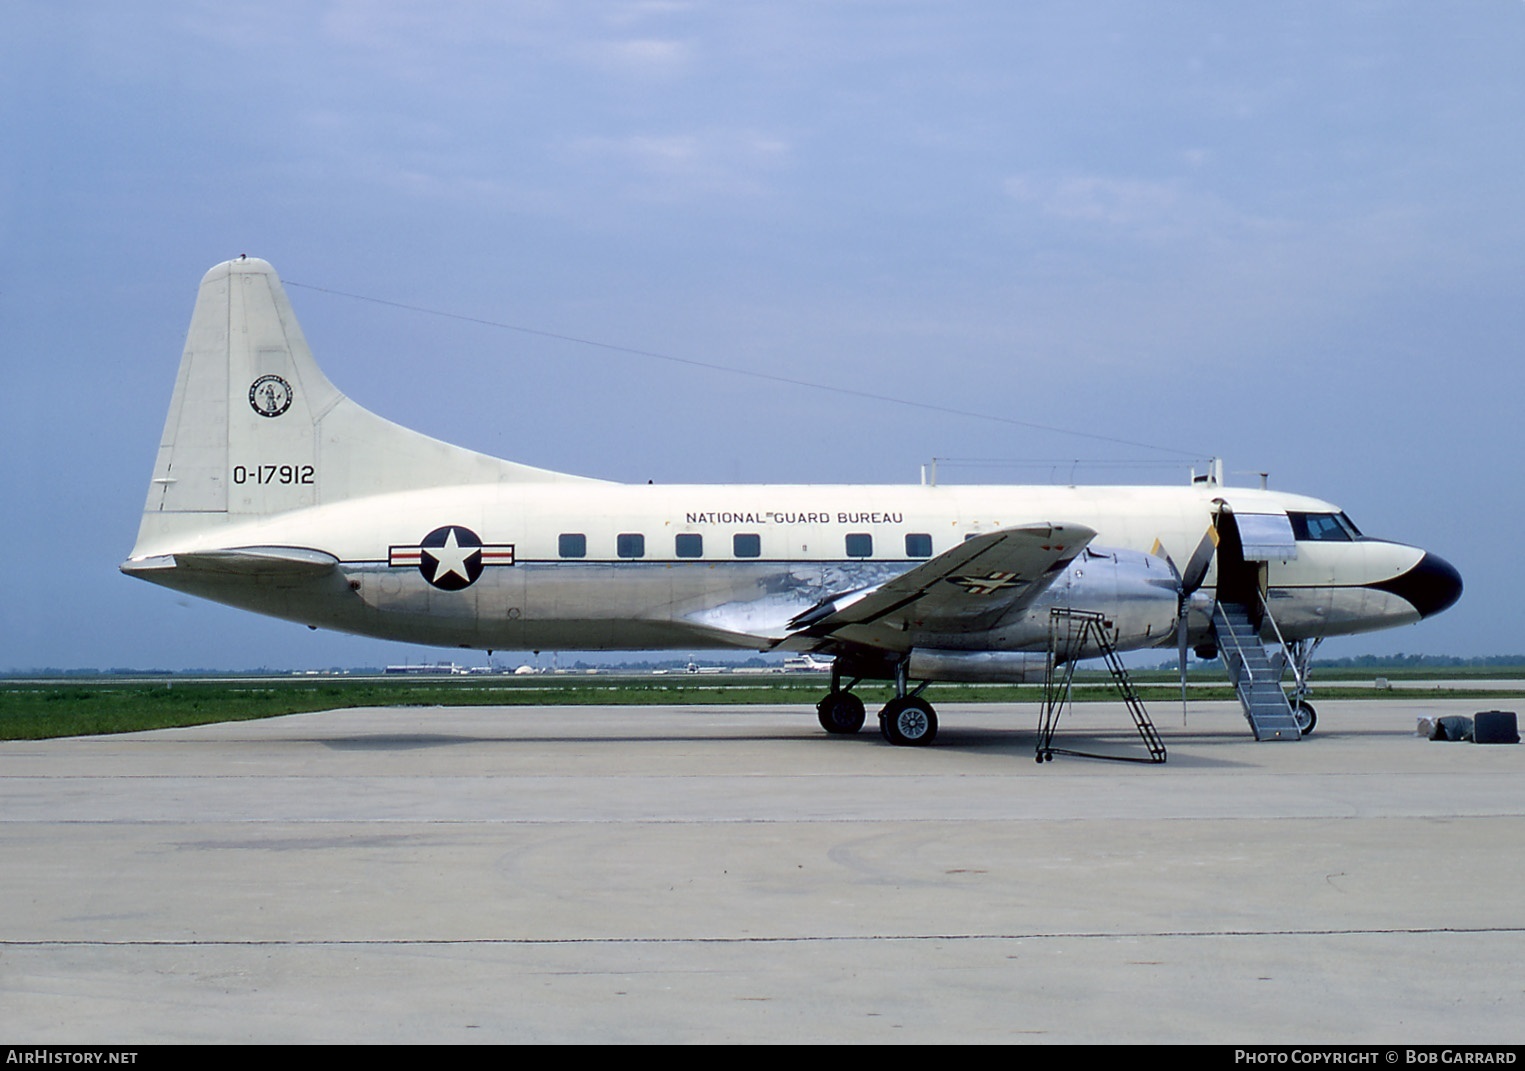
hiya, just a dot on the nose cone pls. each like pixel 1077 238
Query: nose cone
pixel 1430 586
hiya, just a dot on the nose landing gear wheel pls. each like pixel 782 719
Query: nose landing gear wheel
pixel 840 713
pixel 1305 715
pixel 908 722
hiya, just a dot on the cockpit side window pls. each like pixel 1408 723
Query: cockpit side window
pixel 1323 528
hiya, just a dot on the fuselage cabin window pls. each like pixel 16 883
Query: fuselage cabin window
pixel 572 545
pixel 630 545
pixel 690 545
pixel 860 545
pixel 745 545
pixel 918 545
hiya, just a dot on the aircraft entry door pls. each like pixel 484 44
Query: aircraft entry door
pixel 1247 544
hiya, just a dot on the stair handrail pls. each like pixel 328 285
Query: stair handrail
pixel 1286 651
pixel 1244 665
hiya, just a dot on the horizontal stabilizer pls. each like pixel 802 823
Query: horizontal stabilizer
pixel 240 561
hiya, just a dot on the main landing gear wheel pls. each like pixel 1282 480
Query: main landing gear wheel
pixel 908 722
pixel 840 713
pixel 1305 715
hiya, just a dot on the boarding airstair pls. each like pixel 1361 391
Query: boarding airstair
pixel 1256 679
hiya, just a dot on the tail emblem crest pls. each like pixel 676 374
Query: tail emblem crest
pixel 270 396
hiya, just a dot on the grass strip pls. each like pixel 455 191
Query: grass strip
pixel 36 710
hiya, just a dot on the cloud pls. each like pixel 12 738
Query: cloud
pixel 679 165
pixel 1143 208
pixel 639 58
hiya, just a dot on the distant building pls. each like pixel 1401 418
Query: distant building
pixel 429 669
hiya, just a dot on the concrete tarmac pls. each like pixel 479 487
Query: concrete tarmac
pixel 733 874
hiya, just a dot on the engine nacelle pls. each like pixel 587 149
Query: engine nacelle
pixel 1135 593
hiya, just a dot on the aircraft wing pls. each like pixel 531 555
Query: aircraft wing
pixel 966 589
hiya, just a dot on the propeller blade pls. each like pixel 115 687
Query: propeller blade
pixel 1181 652
pixel 1158 550
pixel 1196 569
pixel 1201 558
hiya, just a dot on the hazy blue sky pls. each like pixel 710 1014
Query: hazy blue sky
pixel 1290 234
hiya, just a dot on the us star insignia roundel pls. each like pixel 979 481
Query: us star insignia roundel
pixel 452 557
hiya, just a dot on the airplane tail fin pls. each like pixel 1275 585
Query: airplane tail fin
pixel 256 428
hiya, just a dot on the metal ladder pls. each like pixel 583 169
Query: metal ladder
pixel 1069 631
pixel 1255 680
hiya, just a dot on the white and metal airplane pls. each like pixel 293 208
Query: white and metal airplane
pixel 274 492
